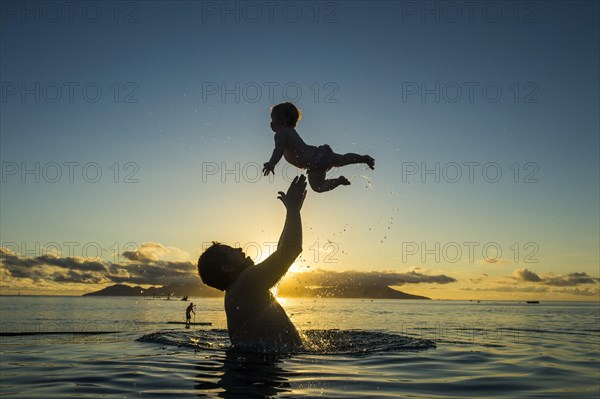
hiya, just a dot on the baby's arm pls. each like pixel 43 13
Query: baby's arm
pixel 269 167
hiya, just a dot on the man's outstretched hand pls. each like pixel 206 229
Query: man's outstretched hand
pixel 294 198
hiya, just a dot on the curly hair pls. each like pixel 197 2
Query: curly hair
pixel 287 112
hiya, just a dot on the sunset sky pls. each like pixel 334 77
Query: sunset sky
pixel 132 136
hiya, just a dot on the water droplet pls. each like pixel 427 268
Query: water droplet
pixel 368 184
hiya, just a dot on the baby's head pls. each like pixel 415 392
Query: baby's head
pixel 284 115
pixel 220 265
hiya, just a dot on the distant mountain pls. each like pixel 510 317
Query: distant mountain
pixel 285 290
pixel 347 291
pixel 177 290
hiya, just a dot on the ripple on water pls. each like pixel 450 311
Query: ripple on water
pixel 327 342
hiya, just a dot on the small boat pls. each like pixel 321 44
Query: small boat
pixel 533 301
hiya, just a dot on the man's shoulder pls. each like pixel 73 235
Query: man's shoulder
pixel 246 290
pixel 248 274
pixel 240 280
pixel 245 280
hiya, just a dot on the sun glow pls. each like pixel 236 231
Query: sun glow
pixel 298 267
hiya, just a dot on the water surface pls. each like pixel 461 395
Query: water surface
pixel 355 349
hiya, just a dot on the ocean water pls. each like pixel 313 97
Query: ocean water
pixel 124 348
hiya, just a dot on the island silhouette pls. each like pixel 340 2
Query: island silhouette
pixel 286 289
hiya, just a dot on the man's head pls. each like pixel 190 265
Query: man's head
pixel 220 265
pixel 284 115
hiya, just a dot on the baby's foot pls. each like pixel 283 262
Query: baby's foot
pixel 370 161
pixel 343 181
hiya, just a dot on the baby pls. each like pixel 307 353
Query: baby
pixel 317 160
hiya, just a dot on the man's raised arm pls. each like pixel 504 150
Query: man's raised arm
pixel 270 271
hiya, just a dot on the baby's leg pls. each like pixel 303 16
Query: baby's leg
pixel 317 181
pixel 351 158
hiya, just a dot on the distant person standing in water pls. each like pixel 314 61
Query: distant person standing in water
pixel 255 320
pixel 316 160
pixel 188 313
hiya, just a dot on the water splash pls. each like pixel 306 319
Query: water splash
pixel 330 342
pixel 361 342
pixel 368 184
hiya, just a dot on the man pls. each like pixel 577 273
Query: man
pixel 188 313
pixel 255 320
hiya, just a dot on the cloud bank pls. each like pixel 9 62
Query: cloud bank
pixel 146 266
pixel 527 281
pixel 561 280
pixel 142 268
pixel 325 278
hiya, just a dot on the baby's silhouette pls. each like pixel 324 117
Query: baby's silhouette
pixel 316 160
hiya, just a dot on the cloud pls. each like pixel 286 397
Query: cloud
pixel 152 273
pixel 145 267
pixel 153 252
pixel 75 277
pixel 570 279
pixel 72 263
pixel 37 268
pixel 526 275
pixel 354 284
pixel 148 271
pixel 493 261
pixel 529 288
pixel 476 280
pixel 580 291
pixel 330 278
pixel 10 259
pixel 527 281
pixel 537 288
pixel 147 252
pixel 561 280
